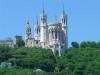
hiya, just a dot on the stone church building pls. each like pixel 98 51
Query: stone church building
pixel 52 35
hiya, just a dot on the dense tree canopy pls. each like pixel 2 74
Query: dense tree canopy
pixel 20 43
pixel 80 61
pixel 89 44
pixel 85 44
pixel 74 61
pixel 33 58
pixel 4 53
pixel 75 44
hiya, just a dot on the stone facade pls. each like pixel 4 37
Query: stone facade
pixel 52 35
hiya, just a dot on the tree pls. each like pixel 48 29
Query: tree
pixel 80 61
pixel 66 71
pixel 83 44
pixel 20 43
pixel 88 44
pixel 93 44
pixel 75 45
pixel 4 53
pixel 56 71
pixel 13 71
pixel 34 58
pixel 98 44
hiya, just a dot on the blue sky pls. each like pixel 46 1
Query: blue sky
pixel 83 17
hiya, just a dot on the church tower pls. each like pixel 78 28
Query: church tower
pixel 43 29
pixel 29 39
pixel 64 28
pixel 37 31
pixel 28 30
pixel 37 34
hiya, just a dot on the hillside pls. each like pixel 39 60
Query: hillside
pixel 33 61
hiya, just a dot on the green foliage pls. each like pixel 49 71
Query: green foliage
pixel 88 44
pixel 56 71
pixel 20 43
pixel 98 44
pixel 33 58
pixel 75 44
pixel 40 73
pixel 75 61
pixel 80 61
pixel 4 53
pixel 13 71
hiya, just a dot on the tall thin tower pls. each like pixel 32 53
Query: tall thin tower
pixel 28 30
pixel 29 39
pixel 43 27
pixel 64 27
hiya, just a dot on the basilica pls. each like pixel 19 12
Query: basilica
pixel 52 35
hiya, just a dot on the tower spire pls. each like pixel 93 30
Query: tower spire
pixel 27 20
pixel 37 20
pixel 28 30
pixel 43 11
pixel 63 11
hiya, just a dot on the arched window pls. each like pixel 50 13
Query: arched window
pixel 52 32
pixel 37 30
pixel 55 33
